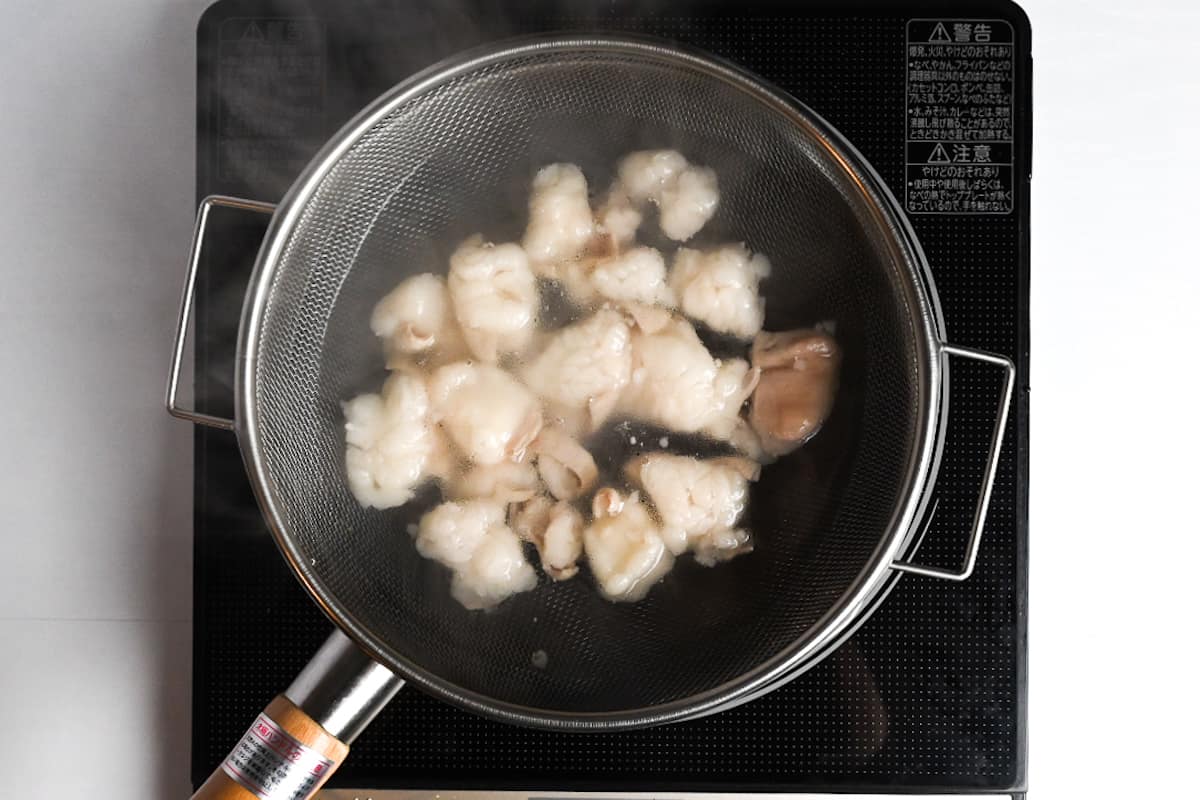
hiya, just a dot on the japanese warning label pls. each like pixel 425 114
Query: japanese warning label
pixel 959 117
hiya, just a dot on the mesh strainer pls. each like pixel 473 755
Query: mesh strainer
pixel 451 152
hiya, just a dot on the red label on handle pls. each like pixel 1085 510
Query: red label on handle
pixel 273 765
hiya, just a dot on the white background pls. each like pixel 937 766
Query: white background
pixel 97 125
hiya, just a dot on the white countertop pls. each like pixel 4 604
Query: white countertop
pixel 95 589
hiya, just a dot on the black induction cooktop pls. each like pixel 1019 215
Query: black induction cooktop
pixel 929 695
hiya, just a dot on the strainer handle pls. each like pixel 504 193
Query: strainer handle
pixel 993 462
pixel 304 734
pixel 185 306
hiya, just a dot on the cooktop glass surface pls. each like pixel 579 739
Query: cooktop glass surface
pixel 929 694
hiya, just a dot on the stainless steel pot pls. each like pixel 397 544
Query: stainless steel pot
pixel 450 151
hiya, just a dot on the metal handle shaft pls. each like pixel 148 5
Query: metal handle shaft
pixel 185 306
pixel 989 478
pixel 343 688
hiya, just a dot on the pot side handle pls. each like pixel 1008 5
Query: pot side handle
pixel 993 461
pixel 185 306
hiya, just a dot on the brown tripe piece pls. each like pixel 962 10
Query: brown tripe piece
pixel 795 392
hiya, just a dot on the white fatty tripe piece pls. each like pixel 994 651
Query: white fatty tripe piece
pixel 388 442
pixel 416 319
pixel 487 413
pixel 617 217
pixel 720 288
pixel 562 542
pixel 637 275
pixel 624 547
pixel 686 205
pixel 450 533
pixel 497 570
pixel 676 383
pixel 471 538
pixel 644 174
pixel 584 367
pixel 735 382
pixel 495 297
pixel 560 218
pixel 699 501
pixel 686 195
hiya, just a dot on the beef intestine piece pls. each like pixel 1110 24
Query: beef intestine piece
pixel 624 546
pixel 505 482
pixel 686 195
pixel 561 225
pixel 719 287
pixel 699 501
pixel 583 368
pixel 495 297
pixel 796 390
pixel 489 415
pixel 675 382
pixel 471 538
pixel 416 323
pixel 390 442
pixel 565 466
pixel 556 529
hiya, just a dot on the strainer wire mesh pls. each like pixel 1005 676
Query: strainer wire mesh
pixel 455 157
